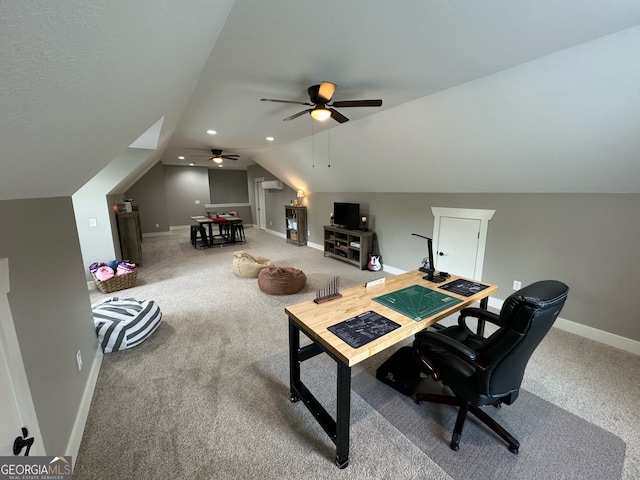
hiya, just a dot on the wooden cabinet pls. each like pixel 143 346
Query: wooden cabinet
pixel 352 246
pixel 296 224
pixel 130 236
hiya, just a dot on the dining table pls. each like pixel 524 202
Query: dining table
pixel 227 228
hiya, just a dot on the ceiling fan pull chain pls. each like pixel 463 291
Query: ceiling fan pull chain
pixel 329 166
pixel 313 147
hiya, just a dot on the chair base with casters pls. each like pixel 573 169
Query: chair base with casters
pixel 464 409
pixel 488 371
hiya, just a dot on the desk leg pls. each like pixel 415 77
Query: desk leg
pixel 294 361
pixel 338 429
pixel 343 414
pixel 484 303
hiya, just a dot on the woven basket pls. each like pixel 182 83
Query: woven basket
pixel 117 282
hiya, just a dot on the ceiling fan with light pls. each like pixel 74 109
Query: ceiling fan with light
pixel 217 156
pixel 320 96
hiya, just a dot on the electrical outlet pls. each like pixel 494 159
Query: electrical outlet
pixel 93 222
pixel 517 285
pixel 157 225
pixel 197 202
pixel 79 359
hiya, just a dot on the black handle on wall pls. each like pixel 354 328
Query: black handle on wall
pixel 21 442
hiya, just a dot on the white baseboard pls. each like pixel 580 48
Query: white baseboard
pixel 611 339
pixel 73 447
pixel 156 234
pixel 277 234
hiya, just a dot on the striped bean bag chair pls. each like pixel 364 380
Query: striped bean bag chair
pixel 123 323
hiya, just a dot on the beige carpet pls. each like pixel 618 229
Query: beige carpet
pixel 206 397
pixel 555 444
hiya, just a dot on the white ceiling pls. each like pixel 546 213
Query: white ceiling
pixel 499 95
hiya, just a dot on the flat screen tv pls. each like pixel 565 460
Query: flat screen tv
pixel 346 215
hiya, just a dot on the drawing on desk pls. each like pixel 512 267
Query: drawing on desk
pixel 362 329
pixel 417 302
pixel 463 287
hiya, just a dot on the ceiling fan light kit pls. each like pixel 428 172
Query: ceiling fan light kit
pixel 320 114
pixel 320 96
pixel 217 156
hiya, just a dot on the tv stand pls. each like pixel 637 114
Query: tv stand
pixel 351 246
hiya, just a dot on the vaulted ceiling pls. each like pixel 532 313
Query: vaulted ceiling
pixel 495 96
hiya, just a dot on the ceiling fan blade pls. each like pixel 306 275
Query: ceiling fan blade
pixel 337 116
pixel 285 101
pixel 357 103
pixel 230 157
pixel 296 115
pixel 325 92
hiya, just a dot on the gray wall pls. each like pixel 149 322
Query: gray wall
pixel 166 195
pixel 183 186
pixel 50 308
pixel 588 241
pixel 150 197
pixel 228 186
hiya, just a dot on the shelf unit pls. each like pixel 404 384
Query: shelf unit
pixel 130 234
pixel 351 246
pixel 296 224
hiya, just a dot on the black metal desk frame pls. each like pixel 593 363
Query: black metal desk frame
pixel 338 429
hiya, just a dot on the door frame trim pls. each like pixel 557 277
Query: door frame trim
pixel 466 213
pixel 257 184
pixel 15 364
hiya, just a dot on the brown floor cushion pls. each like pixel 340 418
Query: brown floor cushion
pixel 249 266
pixel 281 280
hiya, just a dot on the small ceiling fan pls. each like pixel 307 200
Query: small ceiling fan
pixel 320 96
pixel 217 156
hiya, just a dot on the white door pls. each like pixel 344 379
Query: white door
pixel 459 240
pixel 16 404
pixel 261 211
pixel 457 246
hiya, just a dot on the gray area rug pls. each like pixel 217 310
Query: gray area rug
pixel 554 444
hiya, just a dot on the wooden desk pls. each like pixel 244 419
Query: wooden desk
pixel 229 219
pixel 313 320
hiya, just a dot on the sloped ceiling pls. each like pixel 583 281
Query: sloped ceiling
pixel 80 81
pixel 496 95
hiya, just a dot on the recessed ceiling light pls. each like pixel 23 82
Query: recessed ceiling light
pixel 191 164
pixel 211 132
pixel 181 157
pixel 270 139
pixel 220 165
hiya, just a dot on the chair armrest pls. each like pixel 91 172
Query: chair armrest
pixel 479 313
pixel 450 345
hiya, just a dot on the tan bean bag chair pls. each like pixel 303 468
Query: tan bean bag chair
pixel 248 266
pixel 281 280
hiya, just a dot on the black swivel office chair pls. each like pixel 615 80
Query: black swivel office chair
pixel 488 371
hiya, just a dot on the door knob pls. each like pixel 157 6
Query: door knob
pixel 21 442
pixel 442 254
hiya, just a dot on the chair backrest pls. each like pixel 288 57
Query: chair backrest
pixel 526 317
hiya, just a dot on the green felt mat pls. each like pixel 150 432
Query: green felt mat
pixel 417 302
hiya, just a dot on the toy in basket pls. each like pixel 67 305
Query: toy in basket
pixel 114 276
